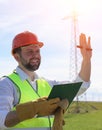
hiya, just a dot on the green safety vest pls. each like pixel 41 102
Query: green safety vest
pixel 27 93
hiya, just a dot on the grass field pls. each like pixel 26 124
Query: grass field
pixel 84 116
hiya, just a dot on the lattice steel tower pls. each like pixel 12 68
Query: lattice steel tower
pixel 75 56
pixel 74 53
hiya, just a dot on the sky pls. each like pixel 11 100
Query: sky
pixel 45 19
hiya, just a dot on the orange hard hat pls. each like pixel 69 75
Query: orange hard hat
pixel 24 39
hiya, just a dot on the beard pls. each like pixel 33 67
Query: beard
pixel 31 66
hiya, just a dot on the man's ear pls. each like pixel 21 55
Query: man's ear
pixel 17 57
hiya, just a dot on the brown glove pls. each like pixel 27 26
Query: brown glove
pixel 59 115
pixel 40 107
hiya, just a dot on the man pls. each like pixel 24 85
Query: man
pixel 22 94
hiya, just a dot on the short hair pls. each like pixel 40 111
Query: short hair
pixel 17 50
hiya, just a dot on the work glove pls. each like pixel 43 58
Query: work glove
pixel 59 115
pixel 40 107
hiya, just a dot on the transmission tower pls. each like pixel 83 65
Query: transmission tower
pixel 74 52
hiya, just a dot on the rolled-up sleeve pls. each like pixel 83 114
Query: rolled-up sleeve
pixel 3 115
pixel 84 86
pixel 6 102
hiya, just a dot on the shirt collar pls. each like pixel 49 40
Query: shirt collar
pixel 23 75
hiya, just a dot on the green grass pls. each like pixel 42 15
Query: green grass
pixel 88 118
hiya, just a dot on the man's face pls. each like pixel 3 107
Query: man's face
pixel 30 57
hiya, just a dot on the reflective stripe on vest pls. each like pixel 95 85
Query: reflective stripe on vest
pixel 27 93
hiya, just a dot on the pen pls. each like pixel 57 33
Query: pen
pixel 89 49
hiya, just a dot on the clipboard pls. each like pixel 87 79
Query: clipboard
pixel 65 91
